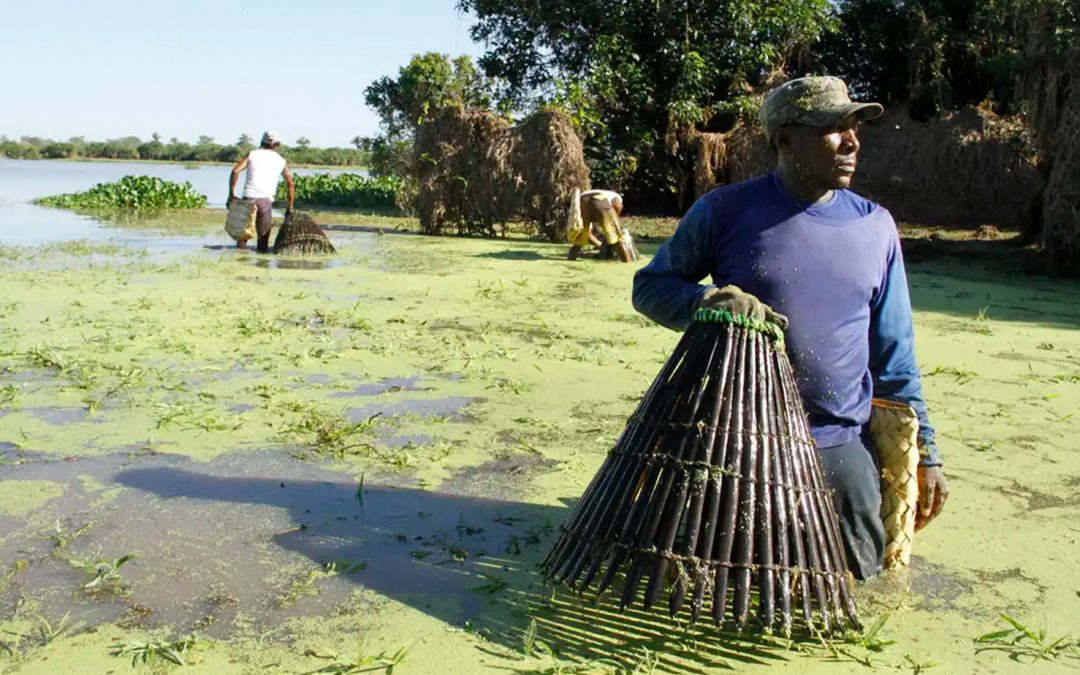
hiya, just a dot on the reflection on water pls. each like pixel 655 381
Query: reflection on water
pixel 298 263
pixel 21 181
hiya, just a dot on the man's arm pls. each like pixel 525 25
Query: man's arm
pixel 233 176
pixel 892 352
pixel 289 185
pixel 896 377
pixel 667 289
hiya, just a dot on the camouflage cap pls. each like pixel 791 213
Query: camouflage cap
pixel 814 101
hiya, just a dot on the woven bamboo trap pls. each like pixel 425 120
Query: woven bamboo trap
pixel 240 219
pixel 894 428
pixel 301 235
pixel 713 495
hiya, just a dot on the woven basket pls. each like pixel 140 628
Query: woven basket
pixel 894 428
pixel 714 494
pixel 240 222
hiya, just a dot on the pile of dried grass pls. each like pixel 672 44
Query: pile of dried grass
pixel 965 168
pixel 710 161
pixel 1061 199
pixel 549 163
pixel 729 157
pixel 749 153
pixel 475 172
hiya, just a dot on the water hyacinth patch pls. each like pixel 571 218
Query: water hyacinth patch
pixel 344 190
pixel 141 193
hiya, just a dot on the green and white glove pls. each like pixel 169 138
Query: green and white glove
pixel 737 301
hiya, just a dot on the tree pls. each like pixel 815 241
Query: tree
pixel 303 143
pixel 358 141
pixel 427 83
pixel 642 68
pixel 206 140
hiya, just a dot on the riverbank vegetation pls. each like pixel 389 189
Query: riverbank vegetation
pixel 175 150
pixel 138 193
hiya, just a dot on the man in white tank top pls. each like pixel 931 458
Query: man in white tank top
pixel 264 167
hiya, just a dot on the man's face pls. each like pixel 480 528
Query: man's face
pixel 823 157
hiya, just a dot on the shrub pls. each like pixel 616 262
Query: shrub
pixel 143 193
pixel 344 189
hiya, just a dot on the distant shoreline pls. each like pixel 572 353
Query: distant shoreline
pixel 174 162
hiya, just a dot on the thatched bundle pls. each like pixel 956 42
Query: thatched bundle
pixel 710 161
pixel 967 168
pixel 550 163
pixel 462 165
pixel 713 493
pixel 729 157
pixel 476 173
pixel 749 153
pixel 301 235
pixel 1061 199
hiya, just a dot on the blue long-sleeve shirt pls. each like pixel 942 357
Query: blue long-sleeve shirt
pixel 835 269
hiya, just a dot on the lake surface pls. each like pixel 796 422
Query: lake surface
pixel 22 181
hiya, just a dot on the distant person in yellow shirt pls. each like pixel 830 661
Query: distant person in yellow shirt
pixel 595 220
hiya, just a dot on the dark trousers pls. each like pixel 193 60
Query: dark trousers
pixel 851 471
pixel 263 222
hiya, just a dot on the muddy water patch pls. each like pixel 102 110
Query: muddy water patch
pixel 451 408
pixel 386 386
pixel 59 416
pixel 260 538
pixel 406 440
pixel 499 477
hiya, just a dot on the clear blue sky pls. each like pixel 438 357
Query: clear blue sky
pixel 109 68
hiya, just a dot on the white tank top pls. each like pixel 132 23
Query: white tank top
pixel 263 170
pixel 611 195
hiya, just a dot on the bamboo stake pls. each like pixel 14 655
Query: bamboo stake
pixel 743 555
pixel 729 495
pixel 782 491
pixel 716 482
pixel 701 483
pixel 766 574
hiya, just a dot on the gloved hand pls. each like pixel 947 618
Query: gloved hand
pixel 737 301
pixel 933 491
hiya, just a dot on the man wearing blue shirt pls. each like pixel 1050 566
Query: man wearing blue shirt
pixel 797 248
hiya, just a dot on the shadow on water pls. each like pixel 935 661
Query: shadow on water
pixel 466 560
pixel 518 255
pixel 254 540
pixel 272 262
pixel 298 263
pixel 963 277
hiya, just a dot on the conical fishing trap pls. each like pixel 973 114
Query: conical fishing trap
pixel 301 235
pixel 713 495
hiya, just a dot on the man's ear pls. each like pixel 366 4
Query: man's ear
pixel 781 139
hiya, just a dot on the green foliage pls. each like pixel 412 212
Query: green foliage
pixel 205 150
pixel 141 193
pixel 345 190
pixel 1027 645
pixel 937 55
pixel 147 653
pixel 365 663
pixel 101 572
pixel 643 66
pixel 429 82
